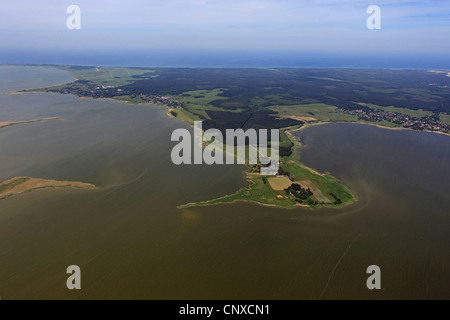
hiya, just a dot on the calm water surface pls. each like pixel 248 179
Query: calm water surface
pixel 15 78
pixel 131 241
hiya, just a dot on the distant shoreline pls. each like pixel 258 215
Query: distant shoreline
pixel 221 66
pixel 313 124
pixel 307 124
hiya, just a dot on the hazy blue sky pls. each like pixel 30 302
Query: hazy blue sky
pixel 313 25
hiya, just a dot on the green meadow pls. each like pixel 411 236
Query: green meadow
pixel 108 76
pixel 318 111
pixel 410 112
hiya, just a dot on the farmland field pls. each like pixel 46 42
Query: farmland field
pixel 279 183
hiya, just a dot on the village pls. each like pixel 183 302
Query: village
pixel 427 123
pixel 88 89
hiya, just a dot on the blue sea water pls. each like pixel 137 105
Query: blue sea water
pixel 226 59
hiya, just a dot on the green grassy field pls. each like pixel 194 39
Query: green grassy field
pixel 319 111
pixel 197 103
pixel 109 76
pixel 412 113
pixel 445 118
pixel 185 116
pixel 327 184
pixel 258 192
pixel 279 183
pixel 129 99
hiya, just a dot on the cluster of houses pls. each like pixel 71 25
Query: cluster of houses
pixel 88 89
pixel 429 123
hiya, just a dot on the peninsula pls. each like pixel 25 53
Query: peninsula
pixel 285 99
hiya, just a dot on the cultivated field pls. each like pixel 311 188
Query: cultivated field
pixel 279 183
pixel 307 184
pixel 313 111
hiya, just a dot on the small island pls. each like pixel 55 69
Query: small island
pixel 20 185
pixel 4 124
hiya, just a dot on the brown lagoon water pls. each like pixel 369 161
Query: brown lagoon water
pixel 131 241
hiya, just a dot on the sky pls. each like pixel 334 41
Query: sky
pixel 292 25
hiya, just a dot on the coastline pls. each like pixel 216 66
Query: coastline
pixel 211 202
pixel 250 177
pixel 293 163
pixel 305 126
pixel 219 201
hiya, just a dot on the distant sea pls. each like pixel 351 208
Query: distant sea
pixel 226 59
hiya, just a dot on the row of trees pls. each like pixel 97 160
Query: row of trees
pixel 298 192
